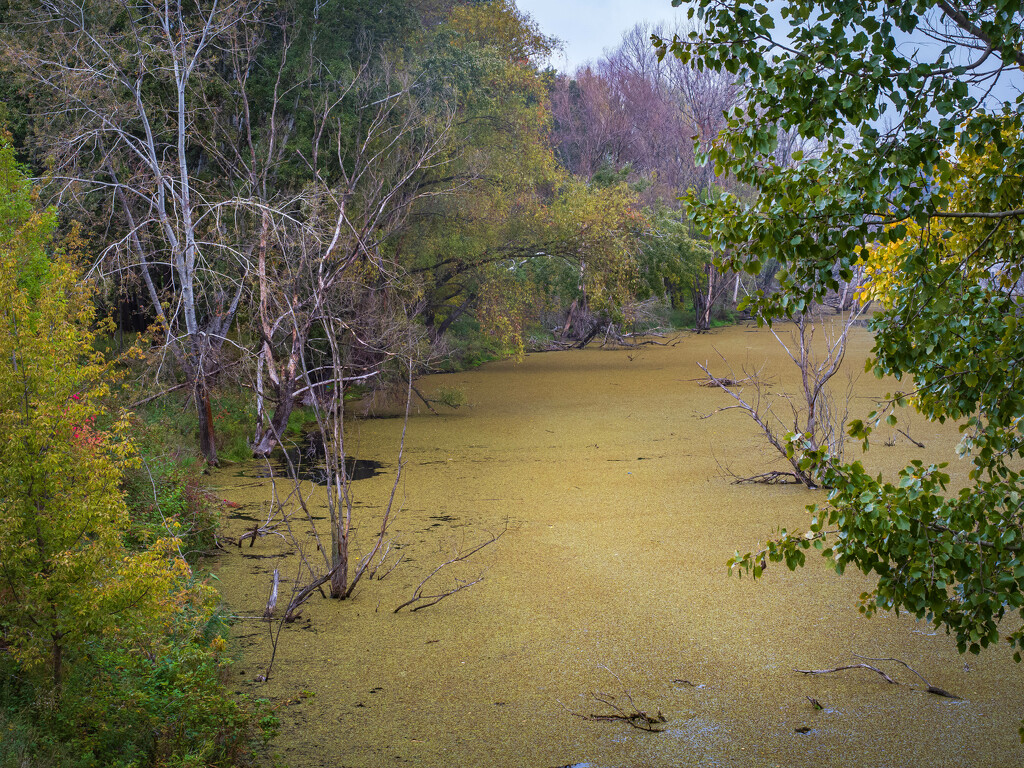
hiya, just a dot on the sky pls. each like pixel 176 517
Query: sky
pixel 587 28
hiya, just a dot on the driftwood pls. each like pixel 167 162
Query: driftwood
pixel 637 719
pixel 632 715
pixel 774 477
pixel 928 686
pixel 722 382
pixel 844 667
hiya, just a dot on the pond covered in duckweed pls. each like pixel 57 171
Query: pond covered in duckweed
pixel 611 577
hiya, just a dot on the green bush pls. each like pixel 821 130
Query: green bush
pixel 471 347
pixel 165 497
pixel 124 708
pixel 168 426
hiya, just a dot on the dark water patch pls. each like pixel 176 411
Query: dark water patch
pixel 303 459
pixel 247 473
pixel 314 472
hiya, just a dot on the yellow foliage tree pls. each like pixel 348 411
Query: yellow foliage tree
pixel 66 576
pixel 979 178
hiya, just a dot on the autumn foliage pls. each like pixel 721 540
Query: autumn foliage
pixel 78 607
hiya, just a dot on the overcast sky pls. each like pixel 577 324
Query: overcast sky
pixel 586 29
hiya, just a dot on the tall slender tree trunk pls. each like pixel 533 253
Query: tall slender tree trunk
pixel 269 436
pixel 57 662
pixel 204 409
pixel 339 560
pixel 703 300
pixel 706 321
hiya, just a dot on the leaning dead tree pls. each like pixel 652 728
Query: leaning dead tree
pixel 331 267
pixel 813 418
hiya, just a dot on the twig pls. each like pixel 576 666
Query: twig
pixel 915 442
pixel 176 387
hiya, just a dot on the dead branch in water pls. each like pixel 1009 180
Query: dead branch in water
pixel 421 601
pixel 426 402
pixel 722 382
pixel 775 477
pixel 928 686
pixel 844 667
pixel 915 442
pixel 632 715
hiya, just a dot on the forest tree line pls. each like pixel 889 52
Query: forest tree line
pixel 253 182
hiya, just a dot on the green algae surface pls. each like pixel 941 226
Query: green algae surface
pixel 615 488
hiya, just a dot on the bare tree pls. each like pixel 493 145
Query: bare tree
pixel 126 84
pixel 708 287
pixel 817 415
pixel 323 270
pixel 631 109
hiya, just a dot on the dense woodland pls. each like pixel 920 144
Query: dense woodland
pixel 221 221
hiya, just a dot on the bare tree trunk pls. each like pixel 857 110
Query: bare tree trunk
pixel 270 435
pixel 703 299
pixel 204 410
pixel 260 414
pixel 706 320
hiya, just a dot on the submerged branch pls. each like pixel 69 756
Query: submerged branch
pixel 420 600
